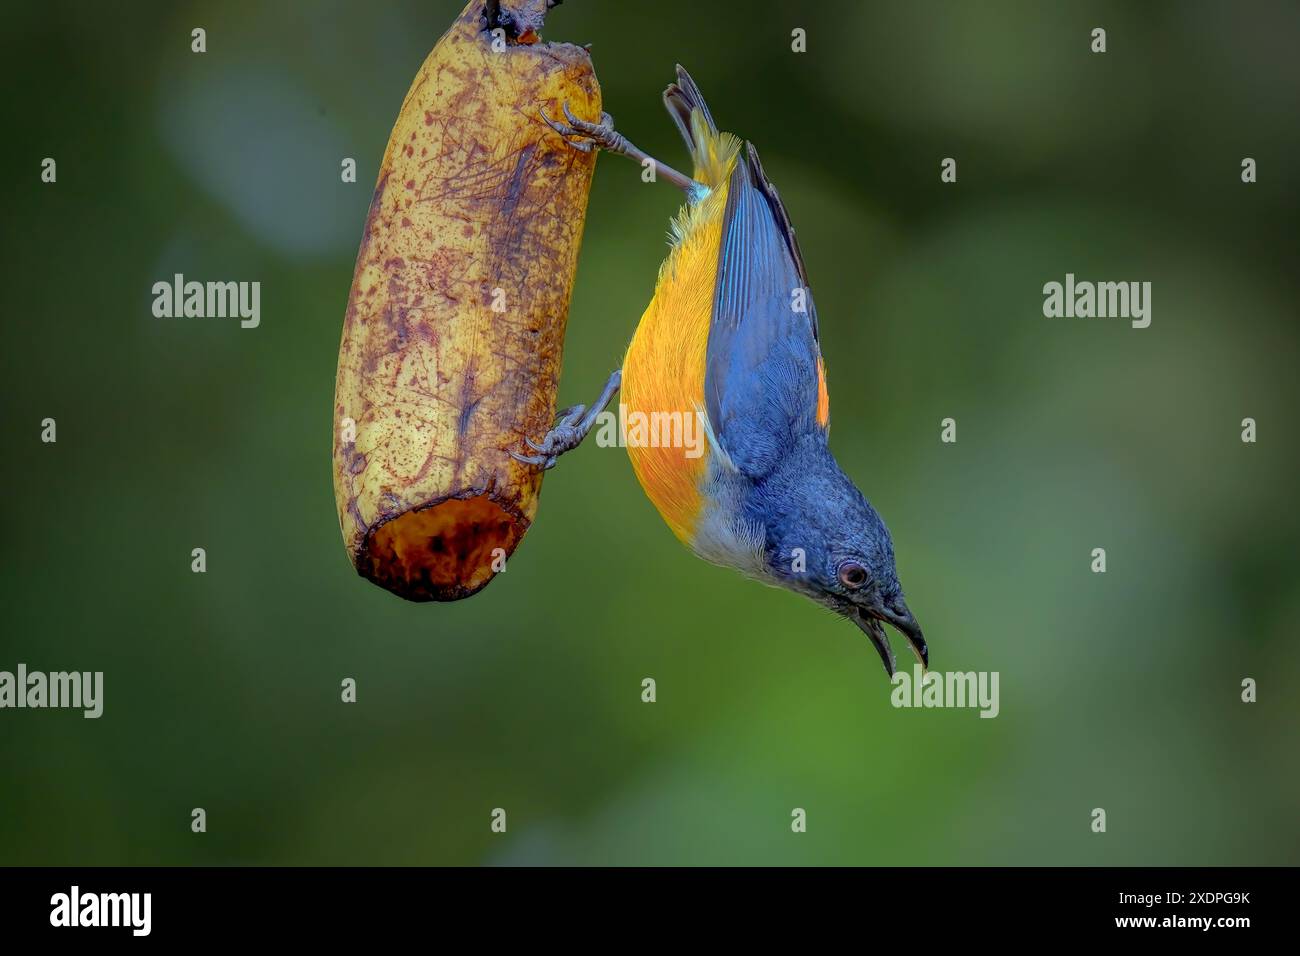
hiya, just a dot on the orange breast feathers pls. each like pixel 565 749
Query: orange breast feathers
pixel 663 371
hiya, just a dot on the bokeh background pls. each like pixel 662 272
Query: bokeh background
pixel 1119 691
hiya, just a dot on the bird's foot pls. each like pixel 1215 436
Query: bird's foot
pixel 565 436
pixel 572 426
pixel 584 136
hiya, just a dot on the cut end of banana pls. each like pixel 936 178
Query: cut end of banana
pixel 444 552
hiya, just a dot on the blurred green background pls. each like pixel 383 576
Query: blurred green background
pixel 1119 691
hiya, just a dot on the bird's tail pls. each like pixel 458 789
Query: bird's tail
pixel 712 152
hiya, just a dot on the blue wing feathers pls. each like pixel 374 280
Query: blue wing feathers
pixel 761 363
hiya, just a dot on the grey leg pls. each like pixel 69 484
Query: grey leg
pixel 602 136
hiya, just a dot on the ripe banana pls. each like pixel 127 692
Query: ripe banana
pixel 455 323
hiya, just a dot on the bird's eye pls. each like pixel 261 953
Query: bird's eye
pixel 852 574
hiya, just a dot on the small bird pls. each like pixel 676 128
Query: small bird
pixel 731 337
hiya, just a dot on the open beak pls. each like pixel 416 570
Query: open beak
pixel 900 618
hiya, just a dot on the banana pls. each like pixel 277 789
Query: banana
pixel 454 330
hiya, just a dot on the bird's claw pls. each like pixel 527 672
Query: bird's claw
pixel 593 135
pixel 572 425
pixel 565 436
pixel 546 463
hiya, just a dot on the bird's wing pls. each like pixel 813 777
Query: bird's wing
pixel 764 384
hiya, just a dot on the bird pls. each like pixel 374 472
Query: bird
pixel 731 336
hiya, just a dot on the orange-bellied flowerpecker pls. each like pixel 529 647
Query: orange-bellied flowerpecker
pixel 731 338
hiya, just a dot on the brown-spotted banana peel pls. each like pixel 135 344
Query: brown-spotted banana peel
pixel 454 329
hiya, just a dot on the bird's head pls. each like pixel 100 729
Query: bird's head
pixel 830 545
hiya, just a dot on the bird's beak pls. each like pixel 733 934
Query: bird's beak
pixel 899 617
